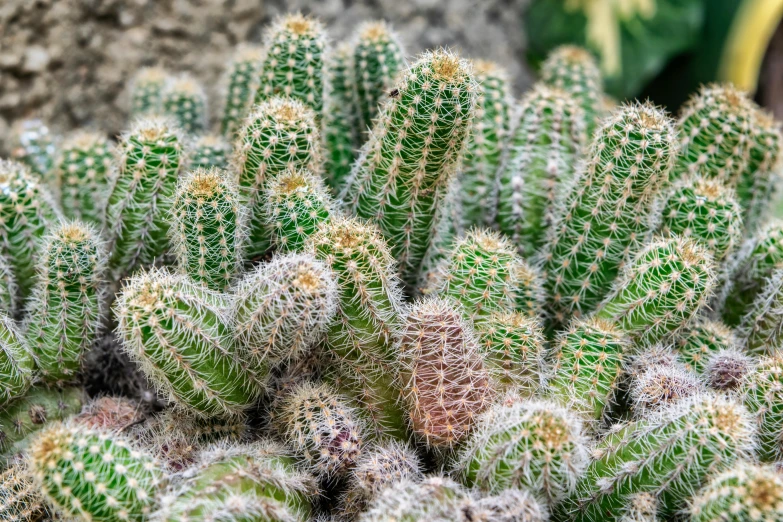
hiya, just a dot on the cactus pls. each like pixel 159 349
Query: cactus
pixel 180 335
pixel 435 499
pixel 660 386
pixel 540 163
pixel 33 144
pixel 110 413
pixel 146 91
pixel 762 390
pixel 448 227
pixel 588 366
pixel 727 368
pixel 83 168
pixel 536 445
pixel 279 134
pixel 185 102
pixel 761 328
pixel 241 75
pixel 65 310
pixel 700 339
pixel 209 151
pixel 377 60
pixel 706 211
pixel 208 227
pixel 642 507
pixel 20 500
pixel 668 455
pixel 93 474
pixel 715 134
pixel 510 505
pixel 283 308
pixel 603 220
pixel 16 362
pixel 445 383
pixel 141 194
pixel 322 428
pixel 8 289
pixel 743 493
pixel 575 71
pixel 667 284
pixel 402 174
pixel 341 132
pixel 297 204
pixel 26 212
pixel 651 356
pixel 293 65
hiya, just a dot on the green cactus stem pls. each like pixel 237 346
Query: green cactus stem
pixel 241 75
pixel 185 102
pixel 700 339
pixel 8 289
pixel 146 91
pixel 83 167
pixel 448 228
pixel 16 361
pixel 209 151
pixel 762 390
pixel 341 130
pixel 761 329
pixel 33 144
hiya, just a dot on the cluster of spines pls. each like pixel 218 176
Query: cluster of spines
pixel 436 499
pixel 660 385
pixel 209 151
pixel 761 328
pixel 341 135
pixel 16 361
pixel 700 339
pixel 84 165
pixel 448 228
pixel 184 101
pixel 20 500
pixel 243 73
pixel 146 91
pixel 727 369
pixel 762 391
pixel 33 144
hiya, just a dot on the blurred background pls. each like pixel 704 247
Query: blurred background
pixel 68 61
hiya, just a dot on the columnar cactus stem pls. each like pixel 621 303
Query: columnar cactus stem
pixel 185 102
pixel 16 361
pixel 377 59
pixel 242 73
pixel 293 65
pixel 700 339
pixel 180 335
pixel 664 287
pixel 141 194
pixel 284 307
pixel 762 390
pixel 146 91
pixel 208 227
pixel 448 227
pixel 66 307
pixel 761 329
pixel 543 152
pixel 435 499
pixel 279 134
pixel 603 221
pixel 402 174
pixel 341 132
pixel 83 168
pixel 575 71
pixel 8 289
pixel 94 474
pixel 209 151
pixel 33 144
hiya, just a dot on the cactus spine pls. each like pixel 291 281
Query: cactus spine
pixel 65 309
pixel 180 335
pixel 83 168
pixel 208 227
pixel 8 290
pixel 209 151
pixel 755 184
pixel 539 164
pixel 726 369
pixel 34 145
pixel 604 218
pixel 511 505
pixel 243 71
pixel 16 361
pixel 763 394
pixel 341 134
pixel 448 227
pixel 146 91
pixel 661 385
pixel 20 500
pixel 435 499
pixel 402 174
pixel 575 71
pixel 761 328
pixel 700 339
pixel 185 102
pixel 141 194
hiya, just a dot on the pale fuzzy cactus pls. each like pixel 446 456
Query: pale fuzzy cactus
pixel 141 195
pixel 435 499
pixel 110 413
pixel 16 361
pixel 293 64
pixel 539 165
pixel 669 455
pixel 642 507
pixel 649 356
pixel 297 204
pixel 241 76
pixel 745 493
pixel 146 91
pixel 66 307
pixel 209 151
pixel 84 165
pixel 93 474
pixel 700 339
pixel 664 287
pixel 279 134
pixel 33 144
pixel 704 210
pixel 755 184
pixel 603 220
pixel 575 71
pixel 534 445
pixel 184 101
pixel 448 228
pixel 762 390
pixel 761 329
pixel 715 134
pixel 377 60
pixel 444 381
pixel 181 336
pixel 659 386
pixel 27 210
pixel 413 149
pixel 341 132
pixel 326 433
pixel 20 499
pixel 208 227
pixel 283 308
pixel 588 365
pixel 510 505
pixel 726 369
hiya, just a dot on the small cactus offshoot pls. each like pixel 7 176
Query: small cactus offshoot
pixel 185 102
pixel 243 72
pixel 575 71
pixel 83 167
pixel 146 91
pixel 209 151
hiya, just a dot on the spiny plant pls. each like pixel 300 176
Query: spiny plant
pixel 34 145
pixel 403 171
pixel 8 289
pixel 445 383
pixel 146 91
pixel 762 391
pixel 539 165
pixel 94 474
pixel 488 135
pixel 341 132
pixel 141 195
pixel 645 358
pixel 761 329
pixel 746 492
pixel 727 368
pixel 180 335
pixel 297 204
pixel 669 455
pixel 435 499
pixel 16 361
pixel 700 339
pixel 660 386
pixel 208 228
pixel 20 500
pixel 111 413
pixel 185 102
pixel 66 307
pixel 377 60
pixel 664 287
pixel 642 507
pixel 534 445
pixel 283 308
pixel 510 505
pixel 448 228
pixel 209 151
pixel 603 220
pixel 280 134
pixel 241 77
pixel 294 61
pixel 83 167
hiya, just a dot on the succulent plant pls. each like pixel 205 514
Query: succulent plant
pixel 661 385
pixel 575 71
pixel 8 289
pixel 184 101
pixel 448 228
pixel 83 166
pixel 726 369
pixel 510 505
pixel 761 329
pixel 20 500
pixel 642 507
pixel 110 413
pixel 209 151
pixel 341 128
pixel 700 339
pixel 435 499
pixel 242 73
pixel 146 91
pixel 762 391
pixel 16 361
pixel 34 145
